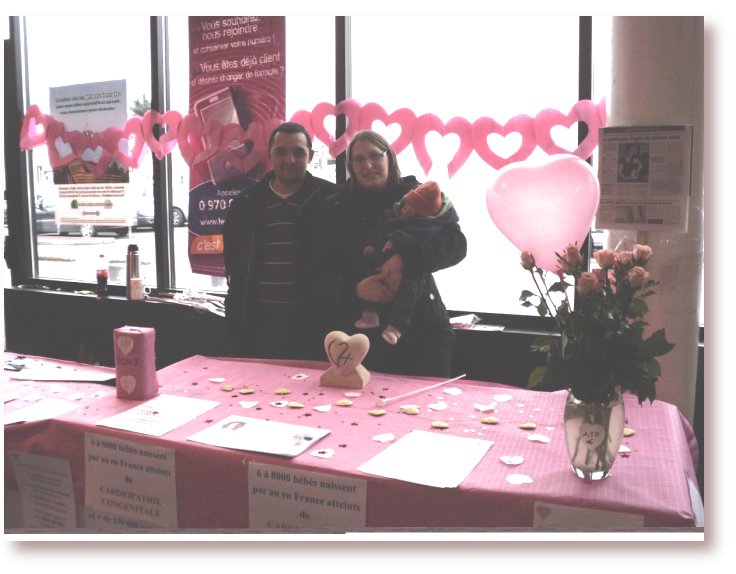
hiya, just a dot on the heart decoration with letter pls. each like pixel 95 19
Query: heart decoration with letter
pixel 592 435
pixel 345 352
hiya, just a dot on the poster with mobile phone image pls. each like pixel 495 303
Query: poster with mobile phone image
pixel 222 108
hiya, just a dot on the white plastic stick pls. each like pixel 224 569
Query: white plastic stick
pixel 384 402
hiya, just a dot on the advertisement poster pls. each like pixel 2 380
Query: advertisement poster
pixel 92 188
pixel 644 174
pixel 237 91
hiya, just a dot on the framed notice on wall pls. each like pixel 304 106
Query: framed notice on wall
pixel 644 175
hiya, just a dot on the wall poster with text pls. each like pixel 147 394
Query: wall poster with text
pixel 237 95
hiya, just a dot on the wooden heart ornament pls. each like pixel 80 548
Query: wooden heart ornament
pixel 345 354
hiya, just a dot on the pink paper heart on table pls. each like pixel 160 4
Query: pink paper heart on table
pixel 403 117
pixel 521 124
pixel 350 109
pixel 430 122
pixel 345 352
pixel 542 209
pixel 162 145
pixel 60 149
pixel 33 128
pixel 583 111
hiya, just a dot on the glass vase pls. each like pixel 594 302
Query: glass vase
pixel 593 433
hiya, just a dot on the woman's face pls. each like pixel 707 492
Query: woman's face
pixel 370 165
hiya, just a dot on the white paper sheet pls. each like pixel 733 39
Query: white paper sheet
pixel 429 458
pixel 244 433
pixel 45 409
pixel 160 415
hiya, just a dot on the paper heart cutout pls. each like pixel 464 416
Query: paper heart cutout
pixel 542 209
pixel 345 352
pixel 128 383
pixel 33 128
pixel 403 117
pixel 190 138
pixel 521 124
pixel 60 150
pixel 592 435
pixel 350 109
pixel 544 512
pixel 118 143
pixel 162 145
pixel 125 344
pixel 430 122
pixel 583 111
pixel 512 460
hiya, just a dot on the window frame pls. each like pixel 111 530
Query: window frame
pixel 22 242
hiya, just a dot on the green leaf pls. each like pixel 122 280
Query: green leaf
pixel 536 376
pixel 657 344
pixel 525 294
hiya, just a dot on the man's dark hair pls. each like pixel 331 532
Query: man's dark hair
pixel 290 128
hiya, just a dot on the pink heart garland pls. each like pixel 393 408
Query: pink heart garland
pixel 542 209
pixel 59 140
pixel 457 125
pixel 521 124
pixel 583 111
pixel 351 110
pixel 94 144
pixel 234 133
pixel 404 117
pixel 33 130
pixel 163 145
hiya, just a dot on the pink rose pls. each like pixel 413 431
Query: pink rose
pixel 637 276
pixel 641 254
pixel 527 260
pixel 606 258
pixel 587 283
pixel 570 260
pixel 624 259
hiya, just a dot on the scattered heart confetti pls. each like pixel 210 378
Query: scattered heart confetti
pixel 512 460
pixel 217 380
pixel 282 391
pixel 629 432
pixel 437 406
pixel 353 394
pixel 489 421
pixel 323 408
pixel 377 412
pixel 528 426
pixel 453 391
pixel 538 438
pixel 248 404
pixel 246 391
pixel 344 403
pixel 440 425
pixel 518 479
pixel 280 404
pixel 323 453
pixel 226 388
pixel 485 408
pixel 300 376
pixel 98 394
pixel 386 437
pixel 502 398
pixel 624 448
pixel 295 405
pixel 410 409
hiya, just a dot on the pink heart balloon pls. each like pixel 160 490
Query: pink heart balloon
pixel 541 209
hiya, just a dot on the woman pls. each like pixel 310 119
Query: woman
pixel 345 221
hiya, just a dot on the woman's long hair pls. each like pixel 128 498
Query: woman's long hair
pixel 394 173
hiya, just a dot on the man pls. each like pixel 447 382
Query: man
pixel 267 242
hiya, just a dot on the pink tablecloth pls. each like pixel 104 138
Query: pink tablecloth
pixel 212 482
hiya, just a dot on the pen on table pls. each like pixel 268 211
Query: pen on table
pixel 383 402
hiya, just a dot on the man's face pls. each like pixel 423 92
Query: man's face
pixel 289 157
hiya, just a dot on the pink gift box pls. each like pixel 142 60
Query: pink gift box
pixel 135 362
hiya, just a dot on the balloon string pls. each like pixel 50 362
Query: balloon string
pixel 384 402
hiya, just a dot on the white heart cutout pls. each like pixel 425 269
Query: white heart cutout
pixel 128 383
pixel 125 344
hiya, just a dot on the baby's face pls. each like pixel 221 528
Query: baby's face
pixel 406 211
